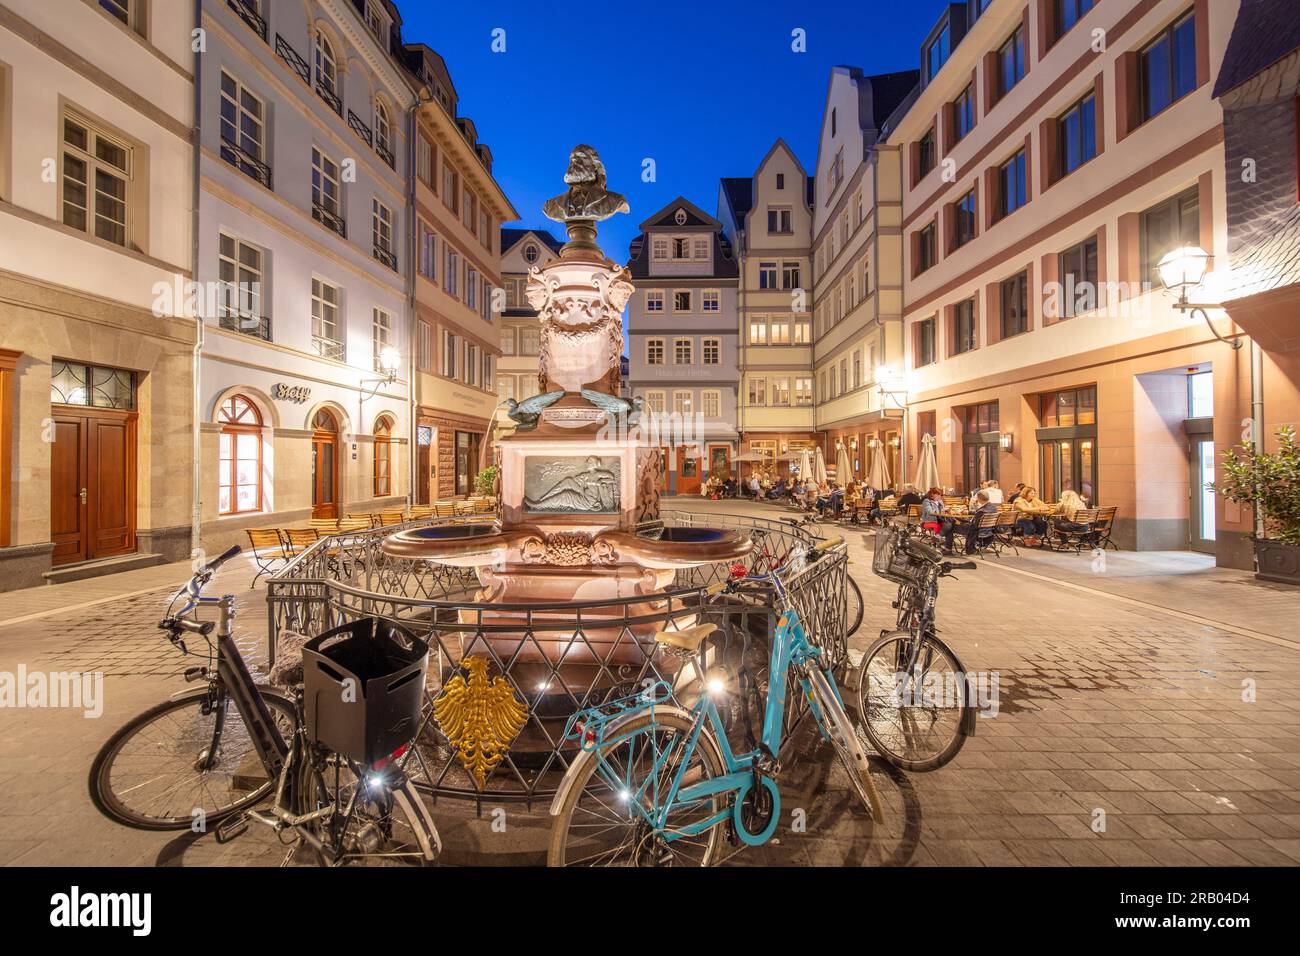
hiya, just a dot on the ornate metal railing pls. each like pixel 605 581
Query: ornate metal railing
pixel 387 257
pixel 329 219
pixel 290 56
pixel 327 348
pixel 360 128
pixel 254 325
pixel 245 162
pixel 555 658
pixel 331 98
pixel 386 155
pixel 249 15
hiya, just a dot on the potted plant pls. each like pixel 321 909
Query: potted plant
pixel 485 481
pixel 1270 483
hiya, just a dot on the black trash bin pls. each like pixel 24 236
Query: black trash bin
pixel 363 688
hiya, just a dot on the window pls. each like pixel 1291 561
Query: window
pixel 450 187
pixel 682 300
pixel 325 319
pixel 1200 395
pixel 1068 13
pixel 700 249
pixel 780 178
pixel 450 270
pixel 1011 62
pixel 1173 223
pixel 424 345
pixel 926 249
pixel 654 351
pixel 96 173
pixel 485 227
pixel 654 301
pixel 1079 278
pixel 121 9
pixel 1014 315
pixel 980 434
pixel 383 133
pixel 963 114
pixel 758 391
pixel 767 275
pixel 655 401
pixel 471 287
pixel 711 403
pixel 239 474
pixel 659 249
pixel 243 129
pixel 780 391
pixel 682 402
pixel 980 419
pixel 469 211
pixel 779 221
pixel 469 368
pixel 515 297
pixel 424 161
pixel 1168 67
pixel 681 247
pixel 712 351
pixel 789 275
pixel 1077 135
pixel 428 251
pixel 1012 187
pixel 381 336
pixel 531 253
pixel 682 349
pixel 507 341
pixel 381 230
pixel 964 220
pixel 375 20
pixel 450 345
pixel 857 370
pixel 925 342
pixel 803 391
pixel 710 301
pixel 240 270
pixel 758 331
pixel 96 386
pixel 530 341
pixel 779 331
pixel 963 327
pixel 327 72
pixel 974 8
pixel 925 154
pixel 1068 408
pixel 505 387
pixel 383 457
pixel 324 184
pixel 936 54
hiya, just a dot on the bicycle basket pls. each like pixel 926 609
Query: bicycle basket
pixel 363 688
pixel 894 562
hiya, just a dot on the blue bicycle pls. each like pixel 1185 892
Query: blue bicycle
pixel 656 784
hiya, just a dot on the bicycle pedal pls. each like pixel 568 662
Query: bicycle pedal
pixel 231 828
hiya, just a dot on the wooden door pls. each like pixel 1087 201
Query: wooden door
pixel 92 484
pixel 324 476
pixel 688 471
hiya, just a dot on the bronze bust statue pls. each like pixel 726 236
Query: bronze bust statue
pixel 587 198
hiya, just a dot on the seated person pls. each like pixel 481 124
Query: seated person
pixel 1016 492
pixel 908 498
pixel 933 518
pixel 995 492
pixel 729 488
pixel 1070 505
pixel 1031 516
pixel 969 527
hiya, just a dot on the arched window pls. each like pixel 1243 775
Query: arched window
pixel 327 69
pixel 383 130
pixel 240 459
pixel 383 457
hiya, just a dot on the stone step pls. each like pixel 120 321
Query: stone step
pixel 93 569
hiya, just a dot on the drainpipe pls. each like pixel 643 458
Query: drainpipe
pixel 412 251
pixel 196 475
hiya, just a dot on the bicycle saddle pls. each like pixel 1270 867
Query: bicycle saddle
pixel 688 638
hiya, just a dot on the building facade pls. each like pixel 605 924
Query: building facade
pixel 1054 153
pixel 303 210
pixel 683 330
pixel 767 218
pixel 459 209
pixel 96 239
pixel 521 330
pixel 857 266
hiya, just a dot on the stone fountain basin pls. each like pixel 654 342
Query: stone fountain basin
pixel 455 545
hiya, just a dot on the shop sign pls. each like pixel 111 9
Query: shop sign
pixel 290 393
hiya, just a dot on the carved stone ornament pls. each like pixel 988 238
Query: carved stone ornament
pixel 568 549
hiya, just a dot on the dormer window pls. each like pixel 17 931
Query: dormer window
pixel 936 54
pixel 680 217
pixel 531 253
pixel 376 20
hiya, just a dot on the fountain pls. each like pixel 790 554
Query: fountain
pixel 575 483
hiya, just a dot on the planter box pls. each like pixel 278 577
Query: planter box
pixel 1277 561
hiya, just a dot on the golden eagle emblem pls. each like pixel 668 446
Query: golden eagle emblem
pixel 480 717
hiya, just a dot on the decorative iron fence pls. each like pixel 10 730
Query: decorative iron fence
pixel 547 659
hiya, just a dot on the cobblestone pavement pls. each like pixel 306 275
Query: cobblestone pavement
pixel 1158 694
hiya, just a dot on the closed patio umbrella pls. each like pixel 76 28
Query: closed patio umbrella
pixel 927 474
pixel 843 472
pixel 819 467
pixel 878 476
pixel 805 465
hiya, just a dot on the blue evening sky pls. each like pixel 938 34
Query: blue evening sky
pixel 702 88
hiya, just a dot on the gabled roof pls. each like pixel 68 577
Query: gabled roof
pixel 739 194
pixel 665 218
pixel 724 259
pixel 509 237
pixel 1265 32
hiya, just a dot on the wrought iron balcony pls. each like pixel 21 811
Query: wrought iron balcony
pixel 386 155
pixel 360 128
pixel 245 162
pixel 290 56
pixel 331 98
pixel 250 16
pixel 387 257
pixel 327 218
pixel 327 348
pixel 257 326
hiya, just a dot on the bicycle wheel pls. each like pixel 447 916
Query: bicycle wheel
pixel 158 773
pixel 596 825
pixel 853 617
pixel 386 826
pixel 914 719
pixel 846 741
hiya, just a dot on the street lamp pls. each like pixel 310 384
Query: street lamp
pixel 389 363
pixel 1181 270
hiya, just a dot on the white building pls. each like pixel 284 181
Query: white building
pixel 303 208
pixel 521 329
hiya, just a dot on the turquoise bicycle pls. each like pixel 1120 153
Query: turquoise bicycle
pixel 656 784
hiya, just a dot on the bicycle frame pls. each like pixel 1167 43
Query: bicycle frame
pixel 789 648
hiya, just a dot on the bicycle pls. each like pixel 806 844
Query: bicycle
pixel 913 697
pixel 656 784
pixel 810 524
pixel 766 558
pixel 186 764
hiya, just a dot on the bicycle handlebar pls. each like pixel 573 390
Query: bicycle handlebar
pixel 215 563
